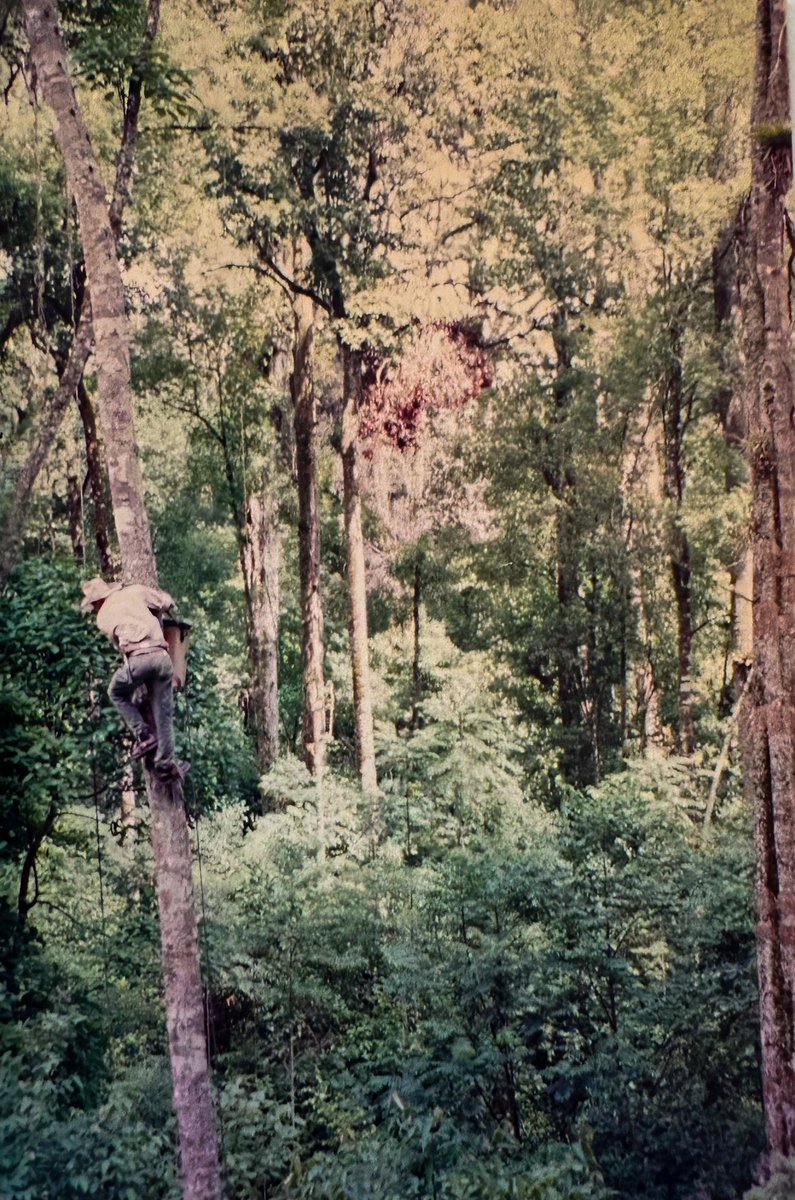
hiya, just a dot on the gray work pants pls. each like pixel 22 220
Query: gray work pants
pixel 153 671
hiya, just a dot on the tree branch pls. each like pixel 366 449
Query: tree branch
pixel 11 537
pixel 129 140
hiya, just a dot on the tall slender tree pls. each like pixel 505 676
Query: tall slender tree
pixel 171 847
pixel 357 581
pixel 71 361
pixel 767 716
pixel 312 633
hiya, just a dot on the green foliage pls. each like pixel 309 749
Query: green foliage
pixel 57 731
pixel 36 237
pixel 455 780
pixel 210 735
pixel 116 1151
pixel 585 979
pixel 107 37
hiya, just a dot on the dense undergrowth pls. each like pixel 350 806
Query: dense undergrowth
pixel 490 997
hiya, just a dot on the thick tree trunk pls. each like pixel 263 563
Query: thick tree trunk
pixel 312 634
pixel 109 321
pixel 171 849
pixel 767 714
pixel 357 583
pixel 263 556
pixel 70 375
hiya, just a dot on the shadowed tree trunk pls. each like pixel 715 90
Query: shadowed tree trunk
pixel 357 583
pixel 767 713
pixel 255 520
pixel 676 415
pixel 262 558
pixel 96 483
pixel 578 750
pixel 170 844
pixel 416 669
pixel 312 636
pixel 74 505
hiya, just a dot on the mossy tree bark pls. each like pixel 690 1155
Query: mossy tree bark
pixel 171 847
pixel 767 716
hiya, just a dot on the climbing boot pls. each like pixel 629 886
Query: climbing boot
pixel 170 772
pixel 147 740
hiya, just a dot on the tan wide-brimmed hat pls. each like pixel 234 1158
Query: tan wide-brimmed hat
pixel 96 589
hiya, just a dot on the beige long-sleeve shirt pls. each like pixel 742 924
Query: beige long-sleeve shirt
pixel 129 618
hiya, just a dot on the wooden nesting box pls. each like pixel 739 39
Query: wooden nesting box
pixel 177 634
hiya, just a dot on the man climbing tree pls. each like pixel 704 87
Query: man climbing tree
pixel 171 848
pixel 130 617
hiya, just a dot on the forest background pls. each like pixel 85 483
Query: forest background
pixel 436 374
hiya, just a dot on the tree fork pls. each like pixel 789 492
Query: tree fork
pixel 178 927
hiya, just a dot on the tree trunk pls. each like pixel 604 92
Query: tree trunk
pixel 256 525
pixel 675 413
pixel 171 848
pixel 312 633
pixel 74 506
pixel 263 556
pixel 357 584
pixel 767 714
pixel 681 572
pixel 132 110
pixel 72 372
pixel 96 483
pixel 416 671
pixel 578 757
